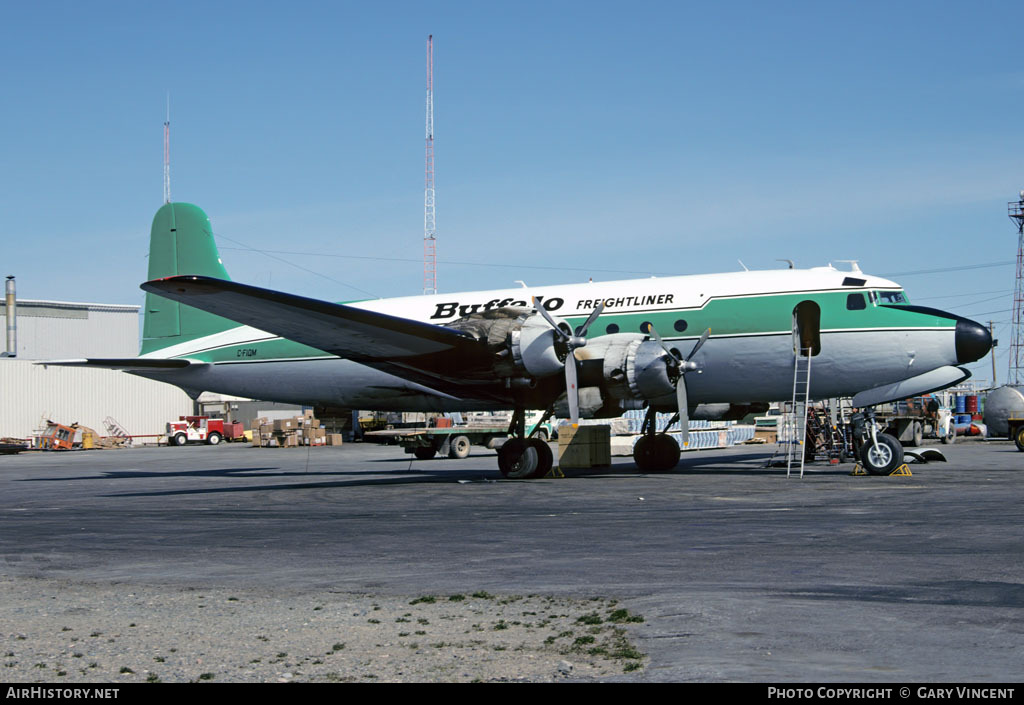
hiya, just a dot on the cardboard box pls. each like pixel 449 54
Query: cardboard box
pixel 334 439
pixel 285 425
pixel 584 446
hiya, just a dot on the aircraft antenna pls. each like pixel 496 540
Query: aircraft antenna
pixel 429 221
pixel 167 152
pixel 1015 210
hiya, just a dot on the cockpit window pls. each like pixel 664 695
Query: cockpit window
pixel 892 297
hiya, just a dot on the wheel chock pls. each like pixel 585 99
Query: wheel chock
pixel 901 471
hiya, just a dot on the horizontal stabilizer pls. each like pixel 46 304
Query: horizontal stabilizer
pixel 127 363
pixel 339 329
pixel 932 381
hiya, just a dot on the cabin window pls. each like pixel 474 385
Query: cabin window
pixel 680 325
pixel 807 328
pixel 645 327
pixel 612 328
pixel 856 302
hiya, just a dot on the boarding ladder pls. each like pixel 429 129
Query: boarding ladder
pixel 117 430
pixel 796 422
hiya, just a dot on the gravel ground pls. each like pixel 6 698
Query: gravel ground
pixel 57 631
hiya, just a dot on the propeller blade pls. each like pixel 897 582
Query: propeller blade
pixel 590 320
pixel 684 410
pixel 703 339
pixel 652 331
pixel 572 392
pixel 538 306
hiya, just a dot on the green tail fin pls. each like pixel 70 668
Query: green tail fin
pixel 181 242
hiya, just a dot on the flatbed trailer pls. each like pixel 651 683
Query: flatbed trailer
pixel 453 441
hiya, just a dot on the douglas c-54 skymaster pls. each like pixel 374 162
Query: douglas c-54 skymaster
pixel 707 346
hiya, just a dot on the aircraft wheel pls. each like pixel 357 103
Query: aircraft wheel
pixel 424 452
pixel 545 458
pixel 517 459
pixel 179 439
pixel 656 453
pixel 950 437
pixel 883 458
pixel 459 447
pixel 213 439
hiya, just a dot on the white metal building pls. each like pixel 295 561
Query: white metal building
pixel 53 330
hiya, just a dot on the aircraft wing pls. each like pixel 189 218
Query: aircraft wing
pixel 346 331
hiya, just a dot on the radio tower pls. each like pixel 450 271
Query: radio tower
pixel 429 223
pixel 167 152
pixel 1015 210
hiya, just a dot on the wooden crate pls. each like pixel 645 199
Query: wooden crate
pixel 584 446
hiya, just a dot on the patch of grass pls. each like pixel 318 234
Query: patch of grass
pixel 338 647
pixel 206 676
pixel 125 669
pixel 426 599
pixel 622 616
pixel 592 618
pixel 456 598
pixel 483 595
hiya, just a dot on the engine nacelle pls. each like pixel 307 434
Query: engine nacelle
pixel 633 367
pixel 524 345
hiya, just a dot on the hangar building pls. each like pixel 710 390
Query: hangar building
pixel 53 330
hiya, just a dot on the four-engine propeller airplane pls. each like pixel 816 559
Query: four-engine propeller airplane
pixel 593 349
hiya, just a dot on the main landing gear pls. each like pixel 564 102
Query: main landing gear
pixel 655 452
pixel 524 457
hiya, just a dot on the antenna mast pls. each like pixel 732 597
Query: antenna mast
pixel 1015 209
pixel 167 152
pixel 429 222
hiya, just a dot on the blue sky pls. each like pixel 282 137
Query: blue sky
pixel 573 139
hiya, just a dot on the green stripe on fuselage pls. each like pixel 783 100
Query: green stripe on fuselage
pixel 725 316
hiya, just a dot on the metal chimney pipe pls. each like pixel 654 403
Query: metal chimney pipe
pixel 12 319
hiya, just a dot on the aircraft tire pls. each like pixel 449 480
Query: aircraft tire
pixel 517 459
pixel 658 453
pixel 459 447
pixel 545 458
pixel 883 458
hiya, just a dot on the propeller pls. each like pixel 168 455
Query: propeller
pixel 571 342
pixel 682 366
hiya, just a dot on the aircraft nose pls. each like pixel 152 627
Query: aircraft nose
pixel 973 341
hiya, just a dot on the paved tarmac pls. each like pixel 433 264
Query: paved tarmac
pixel 741 573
